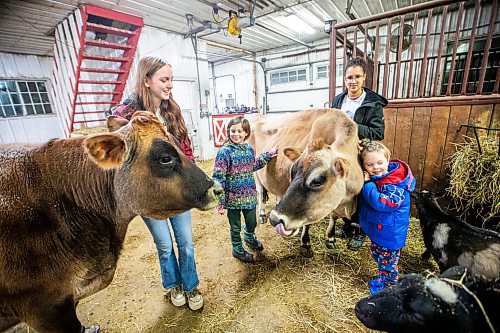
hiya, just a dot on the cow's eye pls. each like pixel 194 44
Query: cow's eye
pixel 317 182
pixel 166 160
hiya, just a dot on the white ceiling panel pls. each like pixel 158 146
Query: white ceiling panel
pixel 27 26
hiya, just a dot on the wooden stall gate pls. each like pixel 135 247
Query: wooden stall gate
pixel 437 64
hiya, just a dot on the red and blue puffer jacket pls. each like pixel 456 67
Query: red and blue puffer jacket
pixel 384 206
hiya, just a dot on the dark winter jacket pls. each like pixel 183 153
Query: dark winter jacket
pixel 369 116
pixel 384 206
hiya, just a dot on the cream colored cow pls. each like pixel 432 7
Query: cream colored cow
pixel 316 172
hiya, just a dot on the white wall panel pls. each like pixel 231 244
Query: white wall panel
pixel 180 54
pixel 28 129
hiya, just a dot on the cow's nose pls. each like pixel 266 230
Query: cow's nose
pixel 275 218
pixel 218 190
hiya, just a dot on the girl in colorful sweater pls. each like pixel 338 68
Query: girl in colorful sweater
pixel 234 167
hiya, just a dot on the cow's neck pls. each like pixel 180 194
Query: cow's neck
pixel 76 178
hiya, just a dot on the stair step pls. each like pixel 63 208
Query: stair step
pixel 88 121
pixel 101 70
pixel 94 103
pixel 98 93
pixel 100 82
pixel 110 30
pixel 109 45
pixel 104 58
pixel 92 112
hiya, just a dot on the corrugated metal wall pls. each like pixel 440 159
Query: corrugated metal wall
pixel 32 128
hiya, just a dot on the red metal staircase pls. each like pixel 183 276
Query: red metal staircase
pixel 97 47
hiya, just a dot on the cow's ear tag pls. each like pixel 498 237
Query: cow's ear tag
pixel 292 153
pixel 106 150
pixel 114 123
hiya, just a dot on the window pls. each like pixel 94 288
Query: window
pixel 323 72
pixel 23 98
pixel 288 76
pixel 340 70
pixel 492 66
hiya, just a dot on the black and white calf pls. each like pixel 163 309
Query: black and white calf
pixel 456 302
pixel 453 242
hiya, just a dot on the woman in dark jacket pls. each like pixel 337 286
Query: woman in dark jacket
pixel 365 107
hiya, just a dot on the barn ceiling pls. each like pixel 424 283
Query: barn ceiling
pixel 27 26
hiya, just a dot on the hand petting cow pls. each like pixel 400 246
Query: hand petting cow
pixel 454 242
pixel 316 174
pixel 65 208
pixel 457 302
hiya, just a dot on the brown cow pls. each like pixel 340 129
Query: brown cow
pixel 317 172
pixel 65 207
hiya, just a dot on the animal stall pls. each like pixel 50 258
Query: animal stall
pixel 437 64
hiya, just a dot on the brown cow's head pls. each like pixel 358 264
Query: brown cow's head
pixel 153 177
pixel 318 186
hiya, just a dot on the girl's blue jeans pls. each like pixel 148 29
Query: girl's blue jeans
pixel 175 272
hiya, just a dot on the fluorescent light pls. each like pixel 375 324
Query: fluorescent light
pixel 294 23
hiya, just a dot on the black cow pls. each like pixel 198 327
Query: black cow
pixel 457 302
pixel 454 242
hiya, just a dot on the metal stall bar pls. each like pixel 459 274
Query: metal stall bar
pixel 400 50
pixel 412 56
pixel 440 51
pixel 387 55
pixel 471 49
pixel 423 69
pixel 486 55
pixel 455 43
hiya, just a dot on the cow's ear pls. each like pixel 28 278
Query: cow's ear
pixel 292 153
pixel 341 167
pixel 115 123
pixel 106 150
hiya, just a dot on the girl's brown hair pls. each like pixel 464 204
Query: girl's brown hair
pixel 169 109
pixel 245 125
pixel 369 146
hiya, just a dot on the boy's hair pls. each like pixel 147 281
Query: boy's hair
pixel 245 125
pixel 369 146
pixel 356 62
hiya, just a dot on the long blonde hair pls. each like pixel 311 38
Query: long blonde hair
pixel 169 109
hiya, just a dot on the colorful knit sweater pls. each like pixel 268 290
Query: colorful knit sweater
pixel 234 168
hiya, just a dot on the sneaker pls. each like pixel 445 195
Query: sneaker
pixel 356 242
pixel 91 329
pixel 177 296
pixel 244 257
pixel 255 245
pixel 376 285
pixel 195 299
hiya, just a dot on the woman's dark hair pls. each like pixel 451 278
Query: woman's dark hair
pixel 245 125
pixel 356 62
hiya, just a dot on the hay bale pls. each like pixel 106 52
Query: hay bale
pixel 475 178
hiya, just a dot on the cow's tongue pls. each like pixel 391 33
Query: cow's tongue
pixel 280 229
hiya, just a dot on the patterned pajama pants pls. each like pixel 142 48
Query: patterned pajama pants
pixel 387 262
